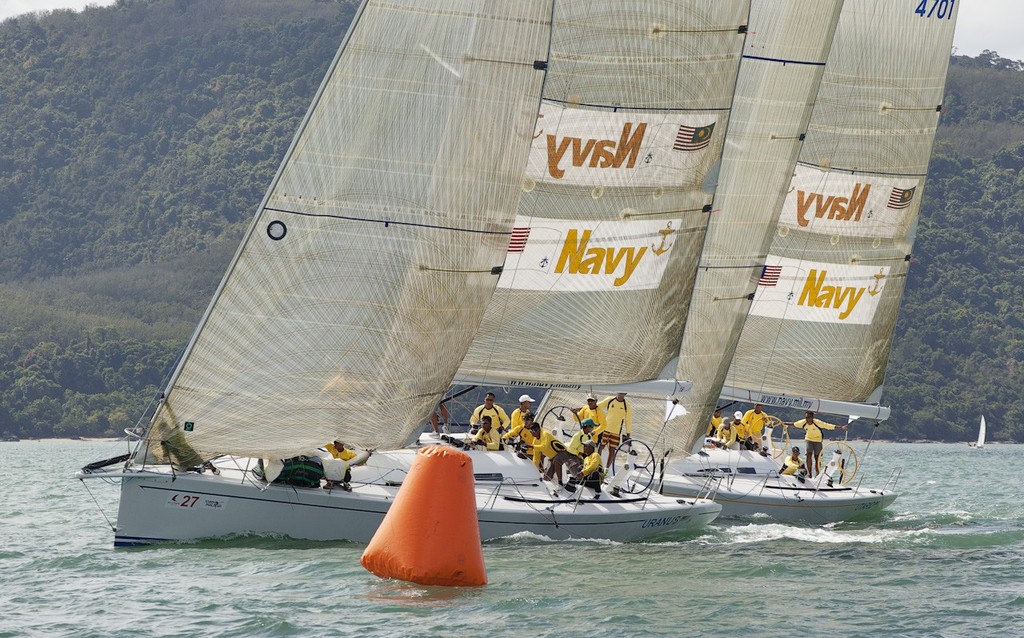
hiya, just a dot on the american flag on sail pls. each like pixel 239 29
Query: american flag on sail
pixel 901 198
pixel 693 138
pixel 517 242
pixel 769 276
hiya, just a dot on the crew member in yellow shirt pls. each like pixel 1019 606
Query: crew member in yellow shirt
pixel 546 446
pixel 516 419
pixel 813 439
pixel 498 417
pixel 585 433
pixel 596 414
pixel 716 422
pixel 792 463
pixel 619 418
pixel 593 470
pixel 487 436
pixel 727 432
pixel 523 434
pixel 754 423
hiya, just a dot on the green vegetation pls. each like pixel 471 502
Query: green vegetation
pixel 137 140
pixel 135 144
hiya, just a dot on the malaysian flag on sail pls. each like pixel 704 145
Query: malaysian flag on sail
pixel 517 242
pixel 901 198
pixel 769 276
pixel 693 138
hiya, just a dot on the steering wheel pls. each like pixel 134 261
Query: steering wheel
pixel 562 419
pixel 848 468
pixel 781 447
pixel 636 459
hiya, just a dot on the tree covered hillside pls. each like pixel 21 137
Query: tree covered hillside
pixel 137 140
pixel 135 144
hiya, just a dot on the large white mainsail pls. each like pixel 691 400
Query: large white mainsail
pixel 783 58
pixel 821 323
pixel 364 275
pixel 615 196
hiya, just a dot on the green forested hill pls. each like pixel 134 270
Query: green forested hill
pixel 135 144
pixel 137 140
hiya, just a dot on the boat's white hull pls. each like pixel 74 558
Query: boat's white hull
pixel 747 484
pixel 782 499
pixel 158 506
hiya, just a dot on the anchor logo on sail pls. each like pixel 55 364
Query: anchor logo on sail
pixel 662 248
pixel 877 287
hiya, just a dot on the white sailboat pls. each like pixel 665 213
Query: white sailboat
pixel 480 190
pixel 819 328
pixel 981 434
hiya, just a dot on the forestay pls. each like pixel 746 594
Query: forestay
pixel 822 320
pixel 365 273
pixel 615 194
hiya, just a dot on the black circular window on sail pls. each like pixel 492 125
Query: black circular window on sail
pixel 277 230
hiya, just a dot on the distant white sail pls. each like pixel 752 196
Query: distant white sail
pixel 981 433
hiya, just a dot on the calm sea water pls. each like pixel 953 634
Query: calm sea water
pixel 946 560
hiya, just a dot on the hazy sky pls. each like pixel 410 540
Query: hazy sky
pixel 982 24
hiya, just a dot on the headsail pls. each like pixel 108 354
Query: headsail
pixel 826 302
pixel 364 275
pixel 783 62
pixel 616 193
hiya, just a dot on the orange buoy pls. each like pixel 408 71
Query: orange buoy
pixel 431 534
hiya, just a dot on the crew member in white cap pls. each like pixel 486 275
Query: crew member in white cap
pixel 520 412
pixel 496 412
pixel 727 432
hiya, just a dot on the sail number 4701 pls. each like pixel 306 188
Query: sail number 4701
pixel 941 9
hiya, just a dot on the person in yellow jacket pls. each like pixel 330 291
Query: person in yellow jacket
pixel 728 432
pixel 499 419
pixel 754 423
pixel 792 463
pixel 524 435
pixel 592 473
pixel 619 418
pixel 813 439
pixel 546 446
pixel 596 414
pixel 487 436
pixel 716 422
pixel 516 420
pixel 338 450
pixel 585 434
